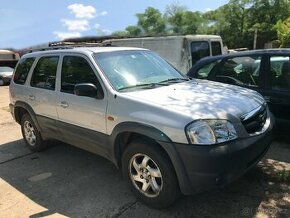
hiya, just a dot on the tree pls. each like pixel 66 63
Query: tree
pixel 283 32
pixel 133 31
pixel 151 21
pixel 120 33
pixel 264 16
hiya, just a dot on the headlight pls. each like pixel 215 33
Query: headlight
pixel 208 132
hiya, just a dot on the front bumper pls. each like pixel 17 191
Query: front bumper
pixel 209 167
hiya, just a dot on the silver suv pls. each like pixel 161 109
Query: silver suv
pixel 167 133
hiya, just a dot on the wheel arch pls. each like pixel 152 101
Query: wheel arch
pixel 125 132
pixel 21 108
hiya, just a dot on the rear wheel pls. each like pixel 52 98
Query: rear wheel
pixel 31 134
pixel 150 174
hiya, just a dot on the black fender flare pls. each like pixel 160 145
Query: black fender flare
pixel 30 111
pixel 162 139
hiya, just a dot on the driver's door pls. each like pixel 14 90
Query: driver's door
pixel 243 71
pixel 80 119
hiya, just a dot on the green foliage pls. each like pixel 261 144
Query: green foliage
pixel 151 21
pixel 186 22
pixel 134 30
pixel 236 22
pixel 283 32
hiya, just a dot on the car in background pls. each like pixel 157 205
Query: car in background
pixel 5 75
pixel 265 71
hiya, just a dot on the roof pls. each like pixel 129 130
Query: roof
pixel 210 59
pixel 245 53
pixel 191 37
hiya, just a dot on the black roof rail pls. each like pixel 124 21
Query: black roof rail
pixel 49 48
pixel 64 45
pixel 74 44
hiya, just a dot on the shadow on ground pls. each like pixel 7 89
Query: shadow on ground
pixel 75 183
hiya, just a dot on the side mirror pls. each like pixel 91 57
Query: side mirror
pixel 86 89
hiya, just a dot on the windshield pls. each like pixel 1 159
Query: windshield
pixel 136 69
pixel 6 69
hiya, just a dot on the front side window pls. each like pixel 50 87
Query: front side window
pixel 76 70
pixel 216 48
pixel 280 72
pixel 240 71
pixel 126 69
pixel 22 70
pixel 44 73
pixel 199 50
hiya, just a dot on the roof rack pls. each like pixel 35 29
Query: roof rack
pixel 65 45
pixel 74 44
pixel 49 48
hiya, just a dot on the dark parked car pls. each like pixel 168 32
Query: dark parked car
pixel 266 71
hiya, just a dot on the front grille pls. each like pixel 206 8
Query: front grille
pixel 255 122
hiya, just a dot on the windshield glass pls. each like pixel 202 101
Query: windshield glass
pixel 136 69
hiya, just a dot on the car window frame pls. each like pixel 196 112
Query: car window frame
pixel 36 61
pixel 90 62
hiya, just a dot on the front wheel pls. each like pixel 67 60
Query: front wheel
pixel 150 174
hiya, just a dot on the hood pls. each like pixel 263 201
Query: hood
pixel 202 99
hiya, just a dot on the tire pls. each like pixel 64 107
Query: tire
pixel 31 134
pixel 156 174
pixel 2 82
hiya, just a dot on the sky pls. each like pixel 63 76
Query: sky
pixel 32 22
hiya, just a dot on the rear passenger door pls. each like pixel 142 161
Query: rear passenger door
pixel 42 94
pixel 81 119
pixel 277 91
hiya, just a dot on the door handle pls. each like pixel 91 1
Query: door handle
pixel 31 97
pixel 63 104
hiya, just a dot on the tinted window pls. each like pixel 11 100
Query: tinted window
pixel 199 50
pixel 280 72
pixel 240 71
pixel 76 70
pixel 22 70
pixel 204 71
pixel 44 73
pixel 216 48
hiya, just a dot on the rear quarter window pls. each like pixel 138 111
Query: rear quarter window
pixel 22 70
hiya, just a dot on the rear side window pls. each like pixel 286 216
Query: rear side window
pixel 45 72
pixel 280 72
pixel 76 70
pixel 216 48
pixel 199 50
pixel 22 70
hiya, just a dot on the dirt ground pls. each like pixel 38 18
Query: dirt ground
pixel 66 181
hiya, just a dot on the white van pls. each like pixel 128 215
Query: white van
pixel 180 51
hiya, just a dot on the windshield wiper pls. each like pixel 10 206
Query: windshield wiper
pixel 174 80
pixel 145 85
